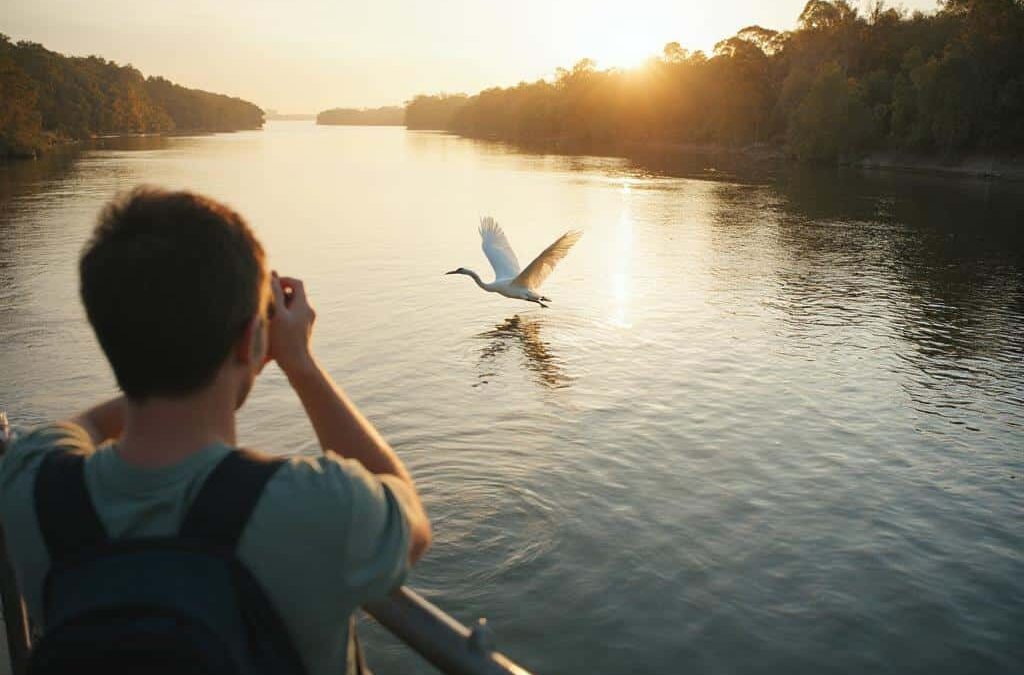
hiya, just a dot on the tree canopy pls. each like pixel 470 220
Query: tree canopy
pixel 433 112
pixel 49 96
pixel 841 84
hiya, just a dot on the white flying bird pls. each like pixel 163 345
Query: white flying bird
pixel 508 279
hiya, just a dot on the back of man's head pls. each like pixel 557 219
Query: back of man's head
pixel 170 281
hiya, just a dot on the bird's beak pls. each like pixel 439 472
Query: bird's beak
pixel 452 272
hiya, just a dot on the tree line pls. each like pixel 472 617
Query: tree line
pixel 47 97
pixel 386 116
pixel 841 84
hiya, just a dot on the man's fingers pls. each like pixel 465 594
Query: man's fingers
pixel 277 291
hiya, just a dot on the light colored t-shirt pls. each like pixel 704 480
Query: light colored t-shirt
pixel 325 537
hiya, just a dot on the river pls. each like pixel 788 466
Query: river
pixel 773 421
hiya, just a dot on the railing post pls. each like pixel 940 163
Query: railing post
pixel 15 618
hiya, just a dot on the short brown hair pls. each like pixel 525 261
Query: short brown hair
pixel 169 281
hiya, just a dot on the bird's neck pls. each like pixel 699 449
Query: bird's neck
pixel 477 279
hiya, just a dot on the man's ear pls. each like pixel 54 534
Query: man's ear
pixel 247 347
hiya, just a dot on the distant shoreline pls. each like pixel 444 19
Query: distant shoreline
pixel 360 124
pixel 297 117
pixel 387 116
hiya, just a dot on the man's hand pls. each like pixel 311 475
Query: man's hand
pixel 291 326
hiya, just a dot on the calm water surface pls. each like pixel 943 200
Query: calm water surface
pixel 771 423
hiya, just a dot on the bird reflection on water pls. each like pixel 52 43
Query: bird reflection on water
pixel 538 356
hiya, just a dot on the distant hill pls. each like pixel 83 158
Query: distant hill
pixel 386 116
pixel 48 97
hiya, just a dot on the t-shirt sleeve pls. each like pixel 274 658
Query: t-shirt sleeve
pixel 27 452
pixel 345 523
pixel 377 550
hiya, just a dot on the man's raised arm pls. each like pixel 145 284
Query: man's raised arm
pixel 104 421
pixel 339 426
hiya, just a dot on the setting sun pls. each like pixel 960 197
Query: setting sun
pixel 618 37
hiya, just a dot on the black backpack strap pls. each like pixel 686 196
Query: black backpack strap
pixel 228 497
pixel 67 516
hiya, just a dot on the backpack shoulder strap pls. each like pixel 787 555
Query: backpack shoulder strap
pixel 67 517
pixel 220 512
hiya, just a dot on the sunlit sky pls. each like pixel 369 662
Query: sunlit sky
pixel 310 55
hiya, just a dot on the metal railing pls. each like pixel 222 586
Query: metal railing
pixel 440 639
pixel 445 643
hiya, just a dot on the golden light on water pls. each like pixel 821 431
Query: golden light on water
pixel 620 279
pixel 620 296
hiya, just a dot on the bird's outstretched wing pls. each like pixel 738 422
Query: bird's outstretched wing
pixel 497 249
pixel 537 271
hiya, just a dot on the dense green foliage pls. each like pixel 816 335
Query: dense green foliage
pixel 839 85
pixel 45 95
pixel 197 110
pixel 20 122
pixel 386 116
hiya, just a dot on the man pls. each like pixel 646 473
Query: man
pixel 176 289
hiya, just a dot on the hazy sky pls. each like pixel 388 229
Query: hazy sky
pixel 309 55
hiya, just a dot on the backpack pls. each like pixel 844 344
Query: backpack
pixel 178 604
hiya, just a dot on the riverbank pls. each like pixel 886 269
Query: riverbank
pixel 51 141
pixel 55 143
pixel 975 165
